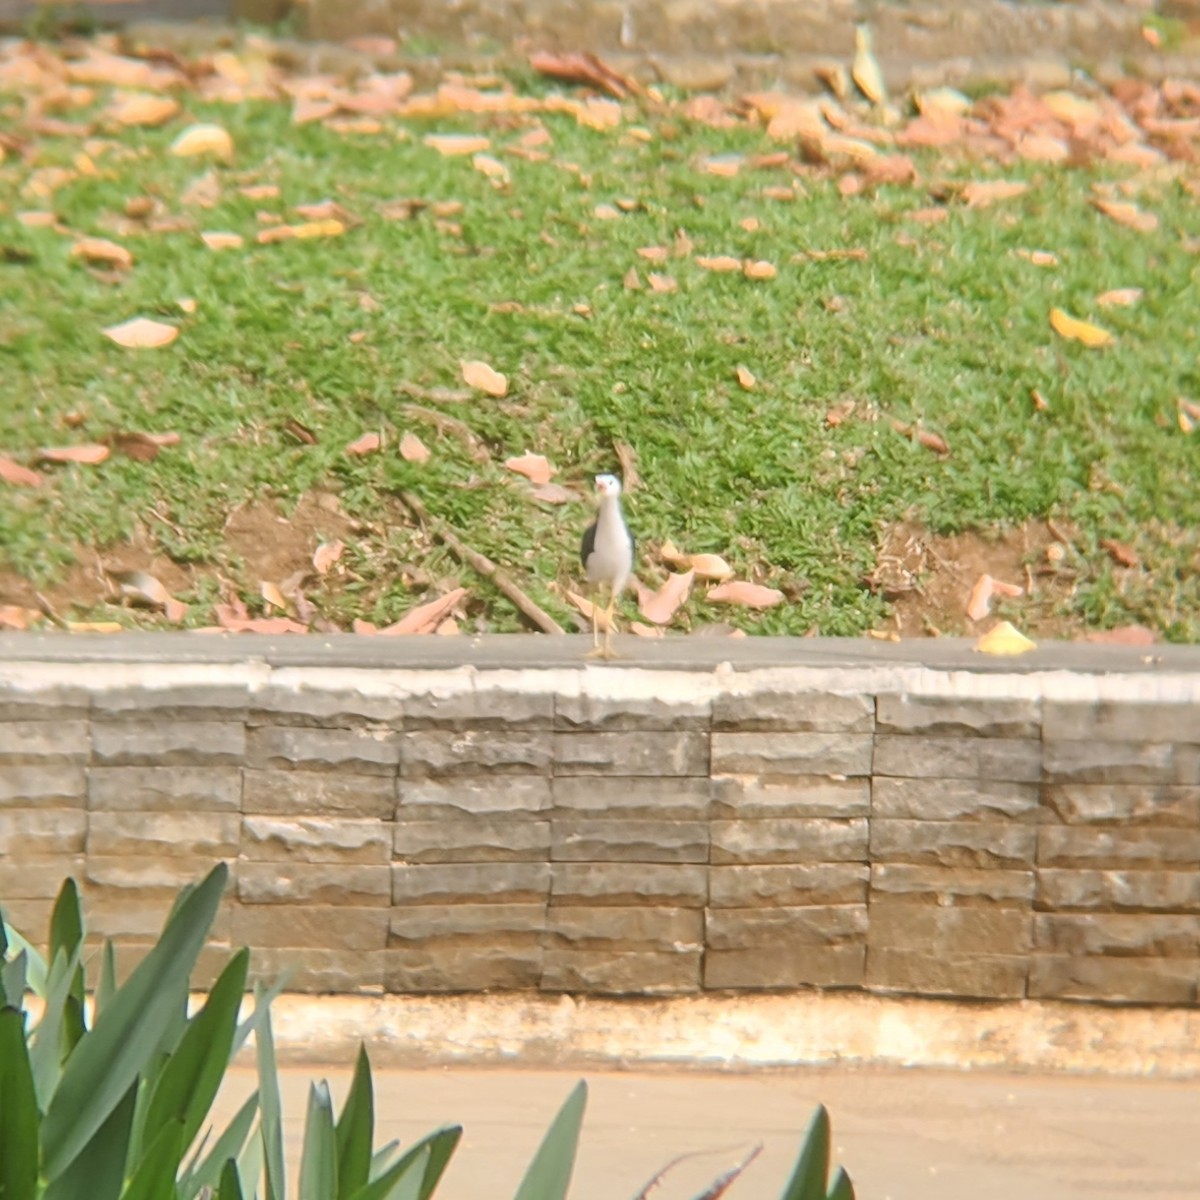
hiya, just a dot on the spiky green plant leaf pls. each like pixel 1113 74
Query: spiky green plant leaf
pixel 17 943
pixel 106 985
pixel 269 1103
pixel 46 1042
pixel 18 1111
pixel 424 1161
pixel 155 1173
pixel 549 1174
pixel 812 1167
pixel 319 1154
pixel 97 1169
pixel 356 1129
pixel 66 935
pixel 840 1187
pixel 205 1169
pixel 13 978
pixel 230 1187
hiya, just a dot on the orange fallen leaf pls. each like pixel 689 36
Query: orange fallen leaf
pixel 143 109
pixel 720 262
pixel 203 139
pixel 101 250
pixel 142 447
pixel 672 555
pixel 220 240
pixel 1122 296
pixel 1122 635
pixel 19 476
pixel 980 602
pixel 587 608
pixel 535 467
pixel 267 625
pixel 425 617
pixel 1039 258
pixel 654 254
pixel 631 281
pixel 709 566
pixel 448 628
pixel 326 554
pixel 493 168
pixel 1004 639
pixel 606 212
pixel 141 333
pixel 358 625
pixel 1127 214
pixel 751 595
pixel 1080 331
pixel 1120 552
pixel 367 444
pixel 984 192
pixel 647 631
pixel 759 270
pixel 1039 401
pixel 586 68
pixel 746 379
pixel 13 616
pixel 94 627
pixel 659 607
pixel 146 590
pixel 304 231
pixel 479 375
pixel 865 71
pixel 89 453
pixel 552 493
pixel 272 595
pixel 412 449
pixel 662 283
pixel 455 144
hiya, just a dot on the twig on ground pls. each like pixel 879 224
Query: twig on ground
pixel 482 564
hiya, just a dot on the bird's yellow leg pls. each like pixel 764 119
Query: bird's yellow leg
pixel 597 650
pixel 608 624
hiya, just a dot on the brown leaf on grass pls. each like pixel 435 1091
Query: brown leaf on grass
pixel 552 493
pixel 493 168
pixel 326 554
pixel 206 139
pixel 627 457
pixel 1039 258
pixel 535 467
pixel 325 210
pixel 311 108
pixel 654 254
pixel 266 625
pixel 1034 147
pixel 1080 331
pixel 142 447
pixel 719 262
pixel 749 595
pixel 304 231
pixel 759 270
pixel 1188 414
pixel 272 595
pixel 1122 635
pixel 631 281
pixel 203 192
pixel 865 70
pixel 220 240
pixel 659 607
pixel 142 589
pixel 300 432
pixel 587 608
pixel 367 444
pixel 709 566
pixel 746 379
pixel 412 449
pixel 927 216
pixel 358 625
pixel 572 67
pixel 641 629
pixel 454 145
pixel 1004 640
pixel 479 375
pixel 1120 552
pixel 101 250
pixel 984 192
pixel 13 616
pixel 17 475
pixel 1122 296
pixel 142 109
pixel 1039 401
pixel 90 453
pixel 448 628
pixel 925 437
pixel 672 555
pixel 94 627
pixel 425 617
pixel 662 283
pixel 1127 214
pixel 980 602
pixel 141 333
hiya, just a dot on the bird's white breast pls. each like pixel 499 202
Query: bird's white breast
pixel 611 560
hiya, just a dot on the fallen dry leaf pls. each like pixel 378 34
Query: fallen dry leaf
pixel 141 333
pixel 627 457
pixel 19 476
pixel 589 610
pixel 1039 401
pixel 720 262
pixel 101 250
pixel 220 240
pixel 648 631
pixel 331 227
pixel 1039 258
pixel 573 67
pixel 143 109
pixel 1004 639
pixel 980 602
pixel 759 270
pixel 746 379
pixel 1080 331
pixel 984 192
pixel 751 595
pixel 662 283
pixel 455 144
pixel 486 379
pixel 88 453
pixel 654 254
pixel 1120 552
pixel 203 139
pixel 659 607
pixel 326 554
pixel 448 628
pixel 425 617
pixel 358 625
pixel 267 625
pixel 367 444
pixel 272 595
pixel 145 590
pixel 672 555
pixel 493 168
pixel 13 616
pixel 1122 296
pixel 1122 635
pixel 631 281
pixel 93 627
pixel 412 449
pixel 535 467
pixel 552 493
pixel 142 447
pixel 1127 214
pixel 865 70
pixel 709 566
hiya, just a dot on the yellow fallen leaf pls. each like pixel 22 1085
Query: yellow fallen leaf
pixel 662 283
pixel 659 607
pixel 942 102
pixel 143 109
pixel 710 566
pixel 93 627
pixel 141 333
pixel 326 554
pixel 1079 331
pixel 606 212
pixel 219 240
pixel 272 595
pixel 752 595
pixel 647 631
pixel 454 144
pixel 101 250
pixel 983 192
pixel 493 168
pixel 479 375
pixel 535 467
pixel 759 270
pixel 1122 296
pixel 448 628
pixel 721 262
pixel 1127 214
pixel 866 72
pixel 412 449
pixel 1004 639
pixel 425 618
pixel 746 379
pixel 589 610
pixel 331 227
pixel 672 555
pixel 724 165
pixel 203 139
pixel 655 254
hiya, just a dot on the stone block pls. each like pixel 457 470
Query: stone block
pixel 140 872
pixel 738 796
pixel 313 883
pixel 490 923
pixel 954 716
pixel 621 972
pixel 473 840
pixel 328 708
pixel 365 751
pixel 961 887
pixel 604 714
pixel 798 712
pixel 580 840
pixel 789 840
pixel 787 885
pixel 1118 891
pixel 55 703
pixel 29 916
pixel 1124 721
pixel 169 835
pixel 482 708
pixel 43 785
pixel 470 883
pixel 1098 847
pixel 971 976
pixel 214 956
pixel 655 885
pixel 316 839
pixel 912 756
pixel 349 794
pixel 1123 804
pixel 762 968
pixel 47 831
pixel 463 965
pixel 983 844
pixel 1119 935
pixel 165 743
pixel 318 927
pixel 138 914
pixel 951 932
pixel 164 789
pixel 804 754
pixel 36 877
pixel 646 796
pixel 319 970
pixel 611 927
pixel 473 796
pixel 32 743
pixel 631 752
pixel 1121 762
pixel 442 753
pixel 954 800
pixel 174 702
pixel 784 929
pixel 1113 980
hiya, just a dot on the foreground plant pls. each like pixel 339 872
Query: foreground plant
pixel 110 1099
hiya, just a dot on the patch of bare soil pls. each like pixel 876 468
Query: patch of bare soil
pixel 929 579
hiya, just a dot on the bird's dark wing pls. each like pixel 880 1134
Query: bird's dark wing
pixel 588 544
pixel 632 544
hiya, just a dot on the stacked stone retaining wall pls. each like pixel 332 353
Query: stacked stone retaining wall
pixel 712 816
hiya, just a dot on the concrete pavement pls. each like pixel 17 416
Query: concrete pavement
pixel 902 1134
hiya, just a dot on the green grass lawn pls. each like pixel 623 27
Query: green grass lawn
pixel 939 326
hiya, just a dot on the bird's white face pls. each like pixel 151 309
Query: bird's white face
pixel 608 485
